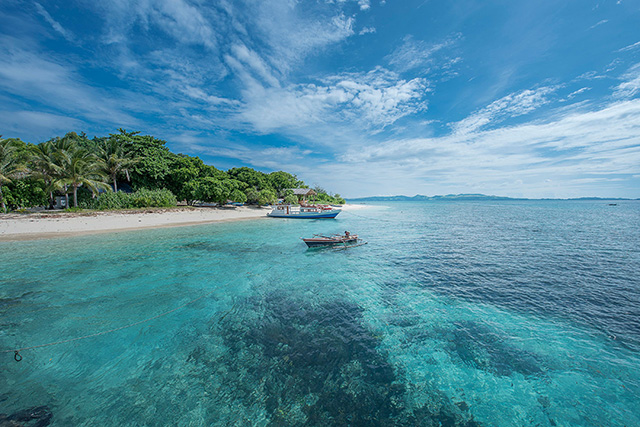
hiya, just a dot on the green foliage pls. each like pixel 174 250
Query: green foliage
pixel 267 197
pixel 238 196
pixel 85 195
pixel 210 189
pixel 10 164
pixel 114 159
pixel 80 167
pixel 205 189
pixel 282 180
pixel 109 200
pixel 215 173
pixel 322 197
pixel 291 199
pixel 153 198
pixel 251 177
pixel 184 169
pixel 44 164
pixel 153 159
pixel 252 195
pixel 74 164
pixel 26 192
pixel 20 148
pixel 142 198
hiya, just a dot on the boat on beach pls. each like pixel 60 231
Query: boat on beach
pixel 319 240
pixel 304 211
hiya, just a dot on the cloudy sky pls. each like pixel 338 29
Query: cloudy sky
pixel 362 97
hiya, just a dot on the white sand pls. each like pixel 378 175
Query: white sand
pixel 45 225
pixel 58 224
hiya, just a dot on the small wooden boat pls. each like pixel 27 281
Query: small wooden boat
pixel 336 239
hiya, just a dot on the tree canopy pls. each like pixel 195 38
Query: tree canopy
pixel 32 174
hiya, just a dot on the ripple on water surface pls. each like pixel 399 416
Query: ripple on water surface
pixel 455 313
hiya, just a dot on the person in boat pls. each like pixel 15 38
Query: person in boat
pixel 347 234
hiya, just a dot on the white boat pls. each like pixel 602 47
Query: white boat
pixel 303 211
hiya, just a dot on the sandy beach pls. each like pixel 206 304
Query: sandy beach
pixel 48 224
pixel 59 224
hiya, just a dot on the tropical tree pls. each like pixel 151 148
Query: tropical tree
pixel 238 196
pixel 63 147
pixel 290 198
pixel 114 158
pixel 282 180
pixel 206 189
pixel 10 166
pixel 267 197
pixel 251 177
pixel 45 165
pixel 153 159
pixel 252 195
pixel 81 167
pixel 184 169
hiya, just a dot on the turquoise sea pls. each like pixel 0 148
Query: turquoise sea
pixel 509 313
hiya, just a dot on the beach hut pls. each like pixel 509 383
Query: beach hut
pixel 303 193
pixel 60 202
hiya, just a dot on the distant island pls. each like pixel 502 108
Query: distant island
pixel 420 198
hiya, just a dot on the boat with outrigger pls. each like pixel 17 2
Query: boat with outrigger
pixel 334 240
pixel 304 211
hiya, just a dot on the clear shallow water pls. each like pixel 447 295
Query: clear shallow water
pixel 455 313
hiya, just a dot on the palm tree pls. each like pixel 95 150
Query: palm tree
pixel 115 159
pixel 10 166
pixel 81 168
pixel 44 164
pixel 62 149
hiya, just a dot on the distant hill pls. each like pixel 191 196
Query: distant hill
pixel 420 197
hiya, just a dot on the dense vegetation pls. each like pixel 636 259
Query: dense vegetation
pixel 89 173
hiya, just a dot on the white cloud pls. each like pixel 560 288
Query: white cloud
pixel 277 158
pixel 233 67
pixel 55 24
pixel 34 76
pixel 512 105
pixel 417 54
pixel 184 22
pixel 600 144
pixel 631 84
pixel 630 47
pixel 604 21
pixel 199 94
pixel 15 122
pixel 364 4
pixel 366 100
pixel 251 60
pixel 590 75
pixel 367 30
pixel 293 34
pixel 577 92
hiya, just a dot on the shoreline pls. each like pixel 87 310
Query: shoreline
pixel 49 225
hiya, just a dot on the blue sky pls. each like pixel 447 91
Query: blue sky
pixel 362 97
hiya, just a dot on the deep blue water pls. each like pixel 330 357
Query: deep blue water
pixel 505 313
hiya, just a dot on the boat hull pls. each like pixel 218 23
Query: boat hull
pixel 306 215
pixel 319 242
